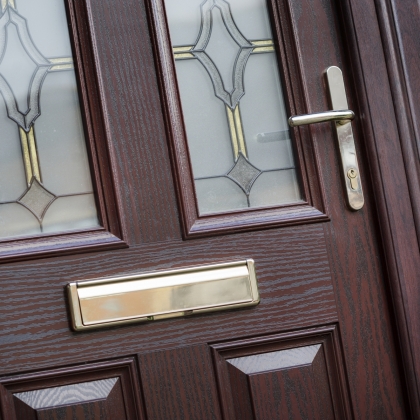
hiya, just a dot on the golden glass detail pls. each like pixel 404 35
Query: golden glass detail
pixel 161 295
pixel 236 132
pixel 26 155
pixel 33 154
pixel 30 156
pixel 263 46
pixel 5 3
pixel 183 52
pixel 65 63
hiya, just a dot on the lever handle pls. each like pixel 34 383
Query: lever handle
pixel 341 116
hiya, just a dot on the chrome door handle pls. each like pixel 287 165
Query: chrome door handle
pixel 342 117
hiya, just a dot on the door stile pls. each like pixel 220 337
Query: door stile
pixel 372 70
pixel 405 120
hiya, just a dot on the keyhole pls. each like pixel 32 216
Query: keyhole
pixel 352 175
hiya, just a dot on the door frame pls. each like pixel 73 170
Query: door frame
pixel 379 81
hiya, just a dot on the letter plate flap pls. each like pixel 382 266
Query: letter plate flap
pixel 148 297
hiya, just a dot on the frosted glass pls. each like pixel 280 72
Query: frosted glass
pixel 251 17
pixel 45 181
pixel 276 187
pixel 222 49
pixel 12 172
pixel 214 156
pixel 61 143
pixel 16 220
pixel 266 128
pixel 42 27
pixel 233 104
pixel 17 68
pixel 184 21
pixel 67 212
pixel 219 194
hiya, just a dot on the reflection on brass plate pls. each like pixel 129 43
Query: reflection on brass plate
pixel 160 295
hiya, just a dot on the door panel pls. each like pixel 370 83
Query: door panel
pixel 102 391
pixel 292 375
pixel 323 289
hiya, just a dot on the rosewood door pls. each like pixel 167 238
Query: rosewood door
pixel 325 340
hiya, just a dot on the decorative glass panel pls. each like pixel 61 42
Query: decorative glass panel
pixel 45 183
pixel 233 105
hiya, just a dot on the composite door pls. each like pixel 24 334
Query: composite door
pixel 192 164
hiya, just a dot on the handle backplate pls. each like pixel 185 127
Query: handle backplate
pixel 350 167
pixel 342 117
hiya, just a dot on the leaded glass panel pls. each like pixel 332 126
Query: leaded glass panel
pixel 233 104
pixel 45 183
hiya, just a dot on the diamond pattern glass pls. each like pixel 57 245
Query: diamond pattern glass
pixel 233 104
pixel 37 199
pixel 44 159
pixel 243 173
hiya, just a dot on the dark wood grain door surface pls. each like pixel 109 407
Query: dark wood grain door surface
pixel 325 342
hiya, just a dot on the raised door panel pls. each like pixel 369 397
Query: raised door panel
pixel 283 384
pixel 296 375
pixel 90 400
pixel 102 391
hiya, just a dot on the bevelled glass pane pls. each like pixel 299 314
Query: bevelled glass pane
pixel 45 182
pixel 233 104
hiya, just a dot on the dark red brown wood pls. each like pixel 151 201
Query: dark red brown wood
pixel 135 124
pixel 179 384
pixel 376 74
pixel 95 121
pixel 94 410
pixel 284 283
pixel 348 272
pixel 100 391
pixel 397 25
pixel 309 381
pixel 403 45
pixel 69 243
